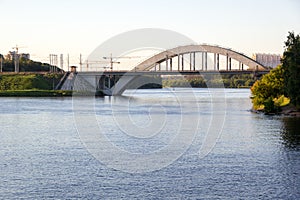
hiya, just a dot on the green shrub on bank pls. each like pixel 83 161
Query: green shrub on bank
pixel 268 93
pixel 28 81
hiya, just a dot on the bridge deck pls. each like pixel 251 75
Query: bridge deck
pixel 197 72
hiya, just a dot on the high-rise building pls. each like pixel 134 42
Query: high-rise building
pixel 25 56
pixel 268 60
pixel 13 54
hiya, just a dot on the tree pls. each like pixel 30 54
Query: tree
pixel 291 66
pixel 268 91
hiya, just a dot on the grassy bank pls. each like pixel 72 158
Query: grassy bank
pixel 35 93
pixel 31 85
pixel 29 81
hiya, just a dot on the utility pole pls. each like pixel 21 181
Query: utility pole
pixel 68 63
pixel 53 63
pixel 16 58
pixel 50 68
pixel 80 62
pixel 61 61
pixel 56 63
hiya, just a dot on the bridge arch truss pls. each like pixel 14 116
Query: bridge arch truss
pixel 186 63
pixel 186 59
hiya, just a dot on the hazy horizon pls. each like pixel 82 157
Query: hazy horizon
pixel 74 27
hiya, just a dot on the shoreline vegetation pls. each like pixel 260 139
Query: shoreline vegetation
pixel 202 81
pixel 35 93
pixel 30 84
pixel 278 92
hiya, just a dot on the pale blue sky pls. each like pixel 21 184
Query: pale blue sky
pixel 76 27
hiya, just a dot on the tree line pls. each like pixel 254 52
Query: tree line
pixel 25 65
pixel 203 81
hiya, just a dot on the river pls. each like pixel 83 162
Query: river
pixel 178 144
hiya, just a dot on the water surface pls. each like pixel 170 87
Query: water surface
pixel 42 156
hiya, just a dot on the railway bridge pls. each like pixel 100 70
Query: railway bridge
pixel 183 60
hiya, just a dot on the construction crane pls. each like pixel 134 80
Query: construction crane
pixel 111 59
pixel 16 58
pixel 89 62
pixel 17 48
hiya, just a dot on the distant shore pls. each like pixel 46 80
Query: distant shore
pixel 47 93
pixel 35 93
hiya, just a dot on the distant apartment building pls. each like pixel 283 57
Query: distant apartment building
pixel 12 54
pixel 25 56
pixel 268 60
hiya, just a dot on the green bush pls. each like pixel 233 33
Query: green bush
pixel 266 90
pixel 270 107
pixel 29 81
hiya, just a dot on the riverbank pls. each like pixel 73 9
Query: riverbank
pixel 29 81
pixel 288 110
pixel 35 93
pixel 31 85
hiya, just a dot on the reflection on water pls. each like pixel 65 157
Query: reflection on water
pixel 43 157
pixel 291 132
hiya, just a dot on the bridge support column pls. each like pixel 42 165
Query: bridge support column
pixel 108 82
pixel 159 67
pixel 242 66
pixel 103 82
pixel 229 64
pixel 171 64
pixel 98 82
pixel 114 80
